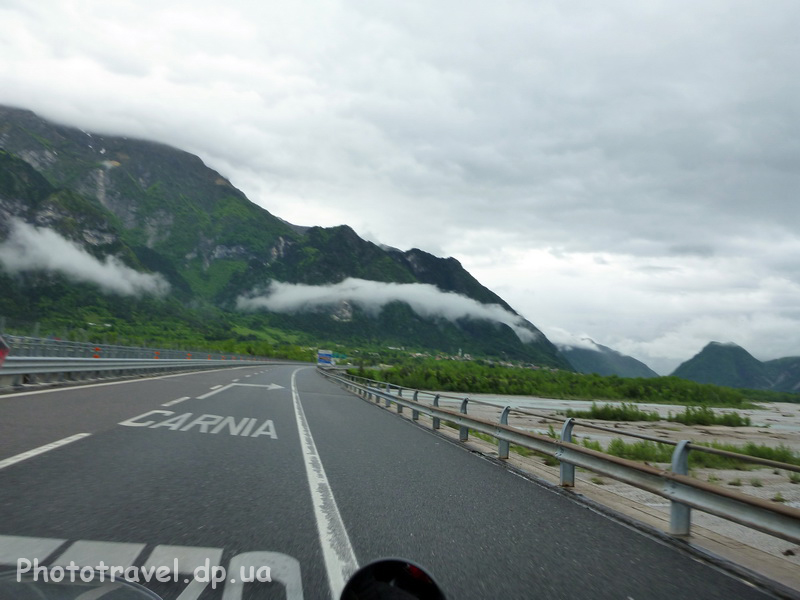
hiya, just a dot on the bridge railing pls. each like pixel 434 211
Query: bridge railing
pixel 684 492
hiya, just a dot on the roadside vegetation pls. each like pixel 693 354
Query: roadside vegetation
pixel 692 415
pixel 654 452
pixel 490 378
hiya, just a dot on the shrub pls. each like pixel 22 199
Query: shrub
pixel 614 412
pixel 703 415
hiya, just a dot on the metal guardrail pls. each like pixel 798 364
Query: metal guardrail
pixel 684 492
pixel 21 370
pixel 44 360
pixel 50 347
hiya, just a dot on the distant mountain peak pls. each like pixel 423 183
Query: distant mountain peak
pixel 724 344
pixel 728 364
pixel 587 356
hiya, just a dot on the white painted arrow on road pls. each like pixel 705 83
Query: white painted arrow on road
pixel 270 386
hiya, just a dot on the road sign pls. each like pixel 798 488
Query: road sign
pixel 324 357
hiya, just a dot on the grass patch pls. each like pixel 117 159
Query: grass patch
pixel 614 412
pixel 644 450
pixel 656 452
pixel 483 436
pixel 521 450
pixel 592 444
pixel 779 453
pixel 597 481
pixel 756 483
pixel 692 415
pixel 703 415
pixel 794 477
pixel 778 498
pixel 735 482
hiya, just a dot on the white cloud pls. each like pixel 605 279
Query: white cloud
pixel 565 339
pixel 424 299
pixel 31 248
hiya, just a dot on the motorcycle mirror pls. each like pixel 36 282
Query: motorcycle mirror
pixel 392 579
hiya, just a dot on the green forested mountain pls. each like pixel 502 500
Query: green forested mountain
pixel 176 224
pixel 731 365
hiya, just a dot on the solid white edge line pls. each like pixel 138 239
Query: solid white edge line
pixel 41 450
pixel 340 560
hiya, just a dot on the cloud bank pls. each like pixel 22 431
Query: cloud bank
pixel 424 299
pixel 30 248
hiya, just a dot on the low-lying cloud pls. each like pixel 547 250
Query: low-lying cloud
pixel 568 341
pixel 31 248
pixel 424 299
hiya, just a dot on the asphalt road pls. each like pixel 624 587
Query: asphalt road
pixel 276 466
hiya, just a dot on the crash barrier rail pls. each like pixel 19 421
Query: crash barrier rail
pixel 44 360
pixel 683 492
pixel 24 370
pixel 50 347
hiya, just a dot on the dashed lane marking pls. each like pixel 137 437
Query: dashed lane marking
pixel 176 401
pixel 41 450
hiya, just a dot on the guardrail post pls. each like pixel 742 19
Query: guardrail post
pixel 437 423
pixel 680 517
pixel 567 470
pixel 415 413
pixel 503 445
pixel 388 391
pixel 463 431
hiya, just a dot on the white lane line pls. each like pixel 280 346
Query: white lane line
pixel 41 449
pixel 340 560
pixel 14 547
pixel 86 553
pixel 215 387
pixel 215 390
pixel 176 401
pixel 104 384
pixel 188 558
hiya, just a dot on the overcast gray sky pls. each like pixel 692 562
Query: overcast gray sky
pixel 627 171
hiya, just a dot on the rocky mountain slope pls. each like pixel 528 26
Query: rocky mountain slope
pixel 179 234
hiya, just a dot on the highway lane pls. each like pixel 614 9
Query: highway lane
pixel 33 418
pixel 232 479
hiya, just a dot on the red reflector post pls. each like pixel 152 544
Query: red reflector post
pixel 4 350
